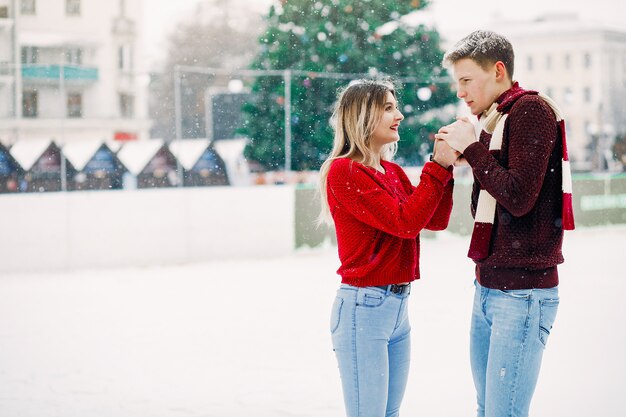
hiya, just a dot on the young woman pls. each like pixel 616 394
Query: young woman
pixel 378 215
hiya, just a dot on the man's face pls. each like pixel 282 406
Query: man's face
pixel 476 86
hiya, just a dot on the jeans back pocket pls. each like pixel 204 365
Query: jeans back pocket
pixel 335 314
pixel 547 315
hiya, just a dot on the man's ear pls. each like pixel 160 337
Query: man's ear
pixel 501 72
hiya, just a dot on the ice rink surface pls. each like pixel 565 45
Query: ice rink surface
pixel 250 337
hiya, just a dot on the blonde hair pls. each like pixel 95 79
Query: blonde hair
pixel 358 111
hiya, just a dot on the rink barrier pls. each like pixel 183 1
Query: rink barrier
pixel 599 199
pixel 94 229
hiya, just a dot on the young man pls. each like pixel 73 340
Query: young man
pixel 521 203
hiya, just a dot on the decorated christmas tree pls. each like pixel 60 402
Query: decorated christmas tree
pixel 372 37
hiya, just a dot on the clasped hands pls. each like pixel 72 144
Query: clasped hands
pixel 451 141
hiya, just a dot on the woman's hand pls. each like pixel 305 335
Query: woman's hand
pixel 443 154
pixel 461 162
pixel 459 135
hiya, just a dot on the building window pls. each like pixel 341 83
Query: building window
pixel 568 96
pixel 74 56
pixel 72 7
pixel 125 57
pixel 28 7
pixel 29 104
pixel 30 54
pixel 567 61
pixel 587 94
pixel 548 62
pixel 529 63
pixel 588 129
pixel 74 105
pixel 549 92
pixel 127 103
pixel 587 60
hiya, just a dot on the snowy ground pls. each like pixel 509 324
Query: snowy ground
pixel 250 337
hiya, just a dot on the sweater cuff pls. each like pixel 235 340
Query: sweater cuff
pixel 438 172
pixel 475 152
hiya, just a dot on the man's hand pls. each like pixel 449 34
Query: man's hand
pixel 459 135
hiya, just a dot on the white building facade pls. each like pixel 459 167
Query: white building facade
pixel 582 66
pixel 69 70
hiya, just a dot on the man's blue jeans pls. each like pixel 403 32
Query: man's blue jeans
pixel 509 332
pixel 371 338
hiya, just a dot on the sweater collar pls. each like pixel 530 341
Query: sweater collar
pixel 490 117
pixel 509 97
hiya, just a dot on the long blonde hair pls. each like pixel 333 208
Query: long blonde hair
pixel 358 111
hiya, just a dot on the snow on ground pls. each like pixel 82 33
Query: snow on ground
pixel 250 337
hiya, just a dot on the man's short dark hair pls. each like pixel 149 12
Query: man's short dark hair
pixel 483 47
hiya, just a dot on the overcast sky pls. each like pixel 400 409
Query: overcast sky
pixel 452 17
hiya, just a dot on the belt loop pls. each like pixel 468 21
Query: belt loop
pixel 395 288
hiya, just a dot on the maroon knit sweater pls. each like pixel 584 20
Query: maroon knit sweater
pixel 378 218
pixel 525 179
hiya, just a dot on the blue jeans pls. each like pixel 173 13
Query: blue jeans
pixel 509 333
pixel 371 339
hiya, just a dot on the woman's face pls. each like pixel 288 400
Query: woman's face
pixel 387 130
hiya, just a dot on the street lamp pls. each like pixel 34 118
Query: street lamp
pixel 235 86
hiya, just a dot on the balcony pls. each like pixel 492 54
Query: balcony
pixel 52 73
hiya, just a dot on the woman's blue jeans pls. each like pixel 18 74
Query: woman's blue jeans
pixel 371 339
pixel 509 333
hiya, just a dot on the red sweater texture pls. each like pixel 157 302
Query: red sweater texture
pixel 525 179
pixel 378 218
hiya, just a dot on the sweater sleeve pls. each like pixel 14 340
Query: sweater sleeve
pixel 370 203
pixel 441 217
pixel 531 139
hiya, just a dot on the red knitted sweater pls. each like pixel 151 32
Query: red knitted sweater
pixel 525 179
pixel 378 218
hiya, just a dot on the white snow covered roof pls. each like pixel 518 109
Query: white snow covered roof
pixel 27 152
pixel 230 149
pixel 135 155
pixel 551 24
pixel 80 152
pixel 188 151
pixel 114 145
